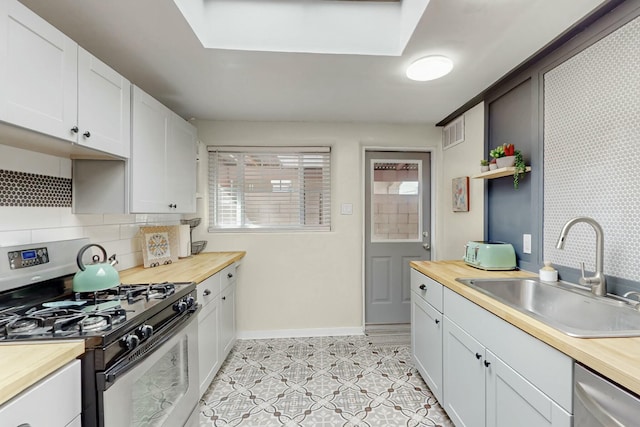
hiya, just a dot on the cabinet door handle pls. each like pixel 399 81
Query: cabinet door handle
pixel 74 130
pixel 87 134
pixel 25 425
pixel 486 364
pixel 437 321
pixel 206 292
pixel 423 287
pixel 478 356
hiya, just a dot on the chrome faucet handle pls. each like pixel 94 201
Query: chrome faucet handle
pixel 582 270
pixel 632 294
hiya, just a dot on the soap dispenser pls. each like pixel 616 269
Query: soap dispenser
pixel 548 273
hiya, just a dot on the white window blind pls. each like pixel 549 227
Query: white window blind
pixel 270 188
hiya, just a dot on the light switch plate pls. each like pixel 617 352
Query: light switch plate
pixel 346 209
pixel 526 243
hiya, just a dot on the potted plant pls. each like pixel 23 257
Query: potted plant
pixel 521 168
pixel 504 155
pixel 484 165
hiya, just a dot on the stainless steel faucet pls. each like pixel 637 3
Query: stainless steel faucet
pixel 597 283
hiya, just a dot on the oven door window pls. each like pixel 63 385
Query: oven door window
pixel 161 389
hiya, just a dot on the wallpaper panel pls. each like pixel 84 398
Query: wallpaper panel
pixel 592 153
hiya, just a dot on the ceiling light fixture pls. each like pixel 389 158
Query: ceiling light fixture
pixel 429 68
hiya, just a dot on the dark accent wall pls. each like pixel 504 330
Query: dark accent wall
pixel 509 209
pixel 514 114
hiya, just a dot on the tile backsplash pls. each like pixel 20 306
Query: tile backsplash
pixel 38 222
pixel 592 151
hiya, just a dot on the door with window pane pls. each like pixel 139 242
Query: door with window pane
pixel 397 230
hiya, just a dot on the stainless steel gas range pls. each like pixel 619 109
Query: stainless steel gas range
pixel 140 365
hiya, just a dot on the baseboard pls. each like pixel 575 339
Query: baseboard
pixel 299 333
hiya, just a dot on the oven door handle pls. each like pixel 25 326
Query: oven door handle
pixel 139 354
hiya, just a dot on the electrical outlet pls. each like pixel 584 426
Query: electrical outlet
pixel 526 243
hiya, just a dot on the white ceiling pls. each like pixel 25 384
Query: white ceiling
pixel 150 43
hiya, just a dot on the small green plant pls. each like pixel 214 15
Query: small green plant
pixel 484 162
pixel 521 168
pixel 497 152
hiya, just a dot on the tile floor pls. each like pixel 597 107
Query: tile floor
pixel 320 382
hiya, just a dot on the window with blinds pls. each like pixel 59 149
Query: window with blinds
pixel 270 188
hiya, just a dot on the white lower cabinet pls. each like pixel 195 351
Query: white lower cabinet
pixel 208 327
pixel 464 377
pixel 216 323
pixel 496 375
pixel 53 402
pixel 426 330
pixel 227 320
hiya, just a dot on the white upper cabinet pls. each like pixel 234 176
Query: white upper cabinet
pixel 163 159
pixel 38 73
pixel 50 85
pixel 104 106
pixel 182 167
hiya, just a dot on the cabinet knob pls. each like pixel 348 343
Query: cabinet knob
pixel 230 275
pixel 486 364
pixel 173 205
pixel 423 287
pixel 87 134
pixel 224 298
pixel 74 129
pixel 206 292
pixel 437 321
pixel 478 356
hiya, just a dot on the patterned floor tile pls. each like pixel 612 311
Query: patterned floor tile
pixel 320 382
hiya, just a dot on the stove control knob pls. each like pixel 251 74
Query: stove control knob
pixel 180 306
pixel 190 301
pixel 144 332
pixel 130 341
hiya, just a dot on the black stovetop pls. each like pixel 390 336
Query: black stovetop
pixel 51 310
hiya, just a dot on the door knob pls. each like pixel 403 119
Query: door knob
pixel 426 246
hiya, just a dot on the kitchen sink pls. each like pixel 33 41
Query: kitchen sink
pixel 563 306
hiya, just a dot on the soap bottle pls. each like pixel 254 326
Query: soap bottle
pixel 548 273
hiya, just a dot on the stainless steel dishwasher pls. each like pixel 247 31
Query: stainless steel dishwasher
pixel 598 402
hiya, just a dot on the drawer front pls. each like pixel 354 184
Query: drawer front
pixel 228 275
pixel 208 289
pixel 427 289
pixel 53 402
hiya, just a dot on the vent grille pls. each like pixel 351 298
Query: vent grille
pixel 453 133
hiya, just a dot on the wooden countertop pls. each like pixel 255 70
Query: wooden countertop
pixel 25 364
pixel 195 268
pixel 616 358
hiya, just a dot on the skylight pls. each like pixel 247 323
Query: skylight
pixel 311 26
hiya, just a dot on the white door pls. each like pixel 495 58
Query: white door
pixel 463 377
pixel 38 73
pixel 397 230
pixel 426 339
pixel 181 165
pixel 104 106
pixel 514 401
pixel 150 126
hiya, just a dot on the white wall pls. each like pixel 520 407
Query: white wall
pixel 456 228
pixel 296 282
pixel 22 225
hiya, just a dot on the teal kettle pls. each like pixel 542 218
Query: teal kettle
pixel 98 276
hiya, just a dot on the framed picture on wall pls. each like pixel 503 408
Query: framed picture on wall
pixel 460 194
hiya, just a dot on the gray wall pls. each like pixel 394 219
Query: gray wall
pixel 514 114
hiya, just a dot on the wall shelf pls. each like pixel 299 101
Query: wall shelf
pixel 498 173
